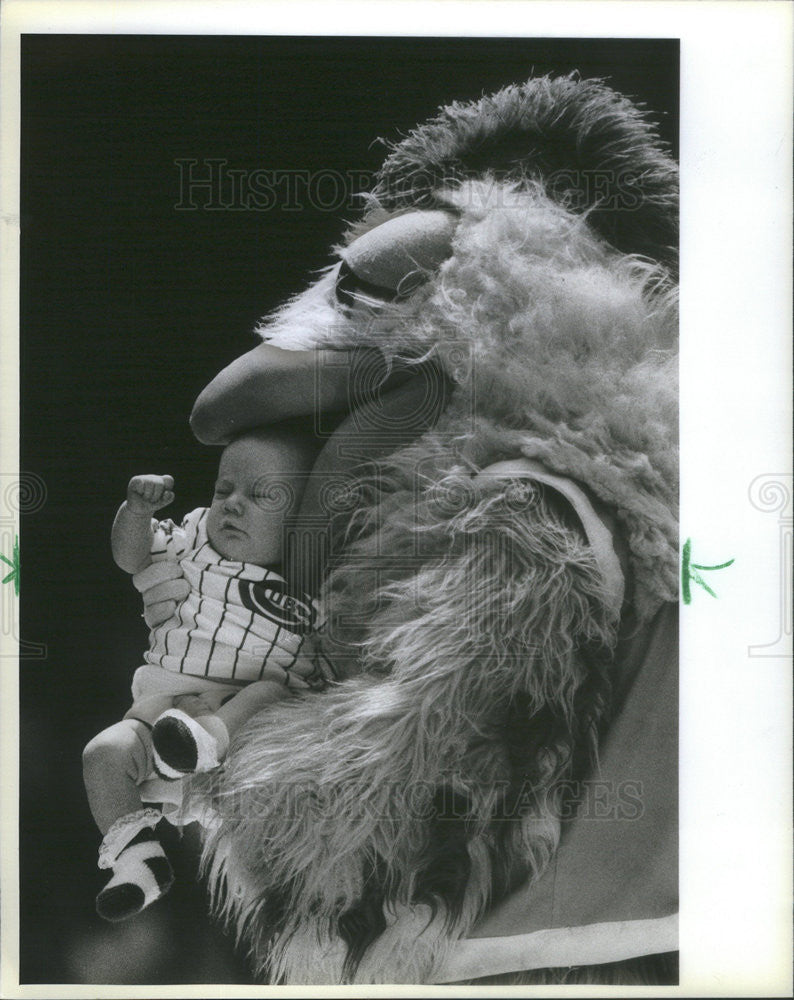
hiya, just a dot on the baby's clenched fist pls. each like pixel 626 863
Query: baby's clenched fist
pixel 146 494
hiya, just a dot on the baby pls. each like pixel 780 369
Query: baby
pixel 234 645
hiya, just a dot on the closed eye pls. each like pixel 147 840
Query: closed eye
pixel 350 288
pixel 391 260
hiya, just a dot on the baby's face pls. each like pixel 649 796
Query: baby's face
pixel 259 485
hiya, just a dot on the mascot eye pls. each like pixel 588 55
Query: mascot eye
pixel 350 288
pixel 388 263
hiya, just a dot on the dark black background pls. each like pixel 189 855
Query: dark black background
pixel 128 307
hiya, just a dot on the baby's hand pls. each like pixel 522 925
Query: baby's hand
pixel 162 586
pixel 146 494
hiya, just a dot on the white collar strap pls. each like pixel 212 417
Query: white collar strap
pixel 598 534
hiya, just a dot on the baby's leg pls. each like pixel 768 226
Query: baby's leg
pixel 244 706
pixel 114 763
pixel 184 745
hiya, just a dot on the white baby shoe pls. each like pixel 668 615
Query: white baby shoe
pixel 141 871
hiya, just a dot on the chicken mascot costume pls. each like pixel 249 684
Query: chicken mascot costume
pixel 484 789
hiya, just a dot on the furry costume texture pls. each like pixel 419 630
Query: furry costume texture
pixel 367 828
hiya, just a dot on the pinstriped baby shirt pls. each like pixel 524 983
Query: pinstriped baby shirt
pixel 238 617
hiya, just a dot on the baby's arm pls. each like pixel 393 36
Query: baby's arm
pixel 132 533
pixel 269 384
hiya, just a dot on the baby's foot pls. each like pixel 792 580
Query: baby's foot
pixel 183 745
pixel 141 875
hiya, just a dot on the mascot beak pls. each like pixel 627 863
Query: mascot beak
pixel 390 261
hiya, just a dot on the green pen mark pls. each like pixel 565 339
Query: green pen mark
pixel 689 573
pixel 14 564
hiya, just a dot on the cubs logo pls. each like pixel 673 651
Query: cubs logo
pixel 273 600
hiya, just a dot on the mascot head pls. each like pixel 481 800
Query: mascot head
pixel 528 243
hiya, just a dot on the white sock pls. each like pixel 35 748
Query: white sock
pixel 184 745
pixel 217 729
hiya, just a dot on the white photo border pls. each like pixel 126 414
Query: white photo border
pixel 736 112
